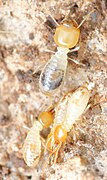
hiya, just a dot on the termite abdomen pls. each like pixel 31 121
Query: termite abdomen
pixel 53 73
pixel 32 146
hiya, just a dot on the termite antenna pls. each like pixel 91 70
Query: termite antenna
pixel 53 19
pixel 48 14
pixel 84 19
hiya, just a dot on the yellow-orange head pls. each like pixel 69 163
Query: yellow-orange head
pixel 60 134
pixel 45 118
pixel 67 34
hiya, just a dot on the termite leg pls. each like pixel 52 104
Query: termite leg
pixel 56 153
pixel 88 106
pixel 75 49
pixel 102 100
pixel 76 61
pixel 31 119
pixel 26 127
pixel 49 51
pixel 39 68
pixel 51 108
pixel 43 141
pixel 72 50
pixel 46 146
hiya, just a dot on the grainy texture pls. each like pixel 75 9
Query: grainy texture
pixel 26 33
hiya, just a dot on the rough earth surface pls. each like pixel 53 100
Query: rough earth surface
pixel 26 36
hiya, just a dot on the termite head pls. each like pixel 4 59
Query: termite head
pixel 45 118
pixel 67 34
pixel 60 134
pixel 55 139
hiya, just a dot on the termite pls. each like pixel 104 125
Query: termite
pixel 68 111
pixel 66 36
pixel 32 146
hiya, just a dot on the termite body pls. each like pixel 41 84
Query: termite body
pixel 66 36
pixel 67 112
pixel 32 145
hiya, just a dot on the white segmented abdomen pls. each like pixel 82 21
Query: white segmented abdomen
pixel 60 111
pixel 32 145
pixel 71 107
pixel 53 73
pixel 76 106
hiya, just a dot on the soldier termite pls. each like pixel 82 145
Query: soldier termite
pixel 32 146
pixel 68 110
pixel 66 36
